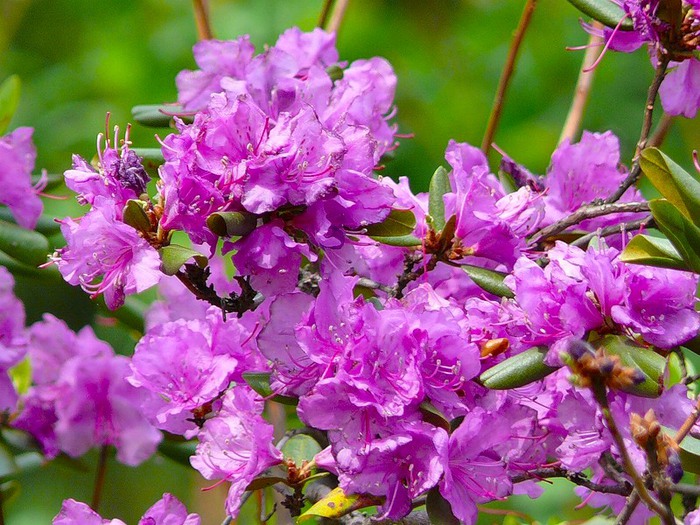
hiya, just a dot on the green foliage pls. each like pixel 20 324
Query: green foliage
pixel 518 370
pixel 9 100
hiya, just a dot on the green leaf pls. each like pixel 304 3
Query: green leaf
pixel 46 225
pixel 18 268
pixel 158 115
pixel 9 100
pixel 632 355
pixel 21 375
pixel 337 504
pixel 689 451
pixel 179 451
pixel 51 180
pixel 604 11
pixel 263 482
pixel 173 256
pixel 433 416
pixel 518 370
pixel 402 240
pixel 439 186
pixel 26 246
pixel 135 215
pixel 653 251
pixel 439 509
pixel 673 182
pixel 301 448
pixel 489 280
pixel 683 234
pixel 397 224
pixel 231 223
pixel 151 159
pixel 260 382
pixel 131 313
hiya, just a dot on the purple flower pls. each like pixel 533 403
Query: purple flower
pixel 106 256
pixel 474 472
pixel 12 338
pixel 17 157
pixel 659 305
pixel 119 176
pixel 316 48
pixel 680 90
pixel 177 363
pixel 167 511
pixel 217 59
pixel 236 444
pixel 582 173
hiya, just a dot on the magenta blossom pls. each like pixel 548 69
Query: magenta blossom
pixel 17 157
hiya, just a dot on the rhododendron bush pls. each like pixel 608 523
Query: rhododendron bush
pixel 330 338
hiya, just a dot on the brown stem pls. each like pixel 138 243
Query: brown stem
pixel 336 17
pixel 601 397
pixel 99 478
pixel 583 87
pixel 622 489
pixel 589 211
pixel 662 128
pixel 628 510
pixel 507 74
pixel 636 171
pixel 688 423
pixel 201 17
pixel 323 18
pixel 582 242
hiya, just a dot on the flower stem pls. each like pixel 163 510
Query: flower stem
pixel 323 18
pixel 688 424
pixel 99 478
pixel 201 17
pixel 601 397
pixel 583 87
pixel 336 17
pixel 507 74
pixel 636 171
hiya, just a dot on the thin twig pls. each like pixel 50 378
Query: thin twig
pixel 507 74
pixel 662 128
pixel 323 18
pixel 600 394
pixel 336 17
pixel 688 423
pixel 589 211
pixel 636 171
pixel 583 87
pixel 201 18
pixel 99 478
pixel 622 489
pixel 582 242
pixel 629 508
pixel 686 488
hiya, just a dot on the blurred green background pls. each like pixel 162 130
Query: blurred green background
pixel 79 59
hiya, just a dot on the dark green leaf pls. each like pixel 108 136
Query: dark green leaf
pixel 519 370
pixel 397 224
pixel 632 355
pixel 131 313
pixel 174 256
pixel 18 268
pixel 26 246
pixel 673 182
pixel 433 416
pixel 489 280
pixel 689 451
pixel 9 100
pixel 439 509
pixel 260 382
pixel 439 186
pixel 231 223
pixel 683 234
pixel 652 251
pixel 135 215
pixel 157 116
pixel 51 180
pixel 46 225
pixel 179 451
pixel 604 11
pixel 407 241
pixel 263 482
pixel 301 448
